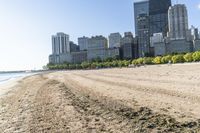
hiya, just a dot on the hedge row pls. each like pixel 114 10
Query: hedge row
pixel 111 63
pixel 91 65
pixel 178 58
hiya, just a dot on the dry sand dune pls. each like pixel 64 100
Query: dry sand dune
pixel 146 99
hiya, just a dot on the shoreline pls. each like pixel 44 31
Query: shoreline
pixel 9 85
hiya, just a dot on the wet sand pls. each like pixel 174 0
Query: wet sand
pixel 146 99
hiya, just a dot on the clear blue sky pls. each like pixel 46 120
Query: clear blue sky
pixel 26 26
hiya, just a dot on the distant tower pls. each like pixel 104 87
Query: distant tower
pixel 196 34
pixel 141 7
pixel 114 40
pixel 143 35
pixel 178 22
pixel 60 44
pixel 158 16
pixel 83 43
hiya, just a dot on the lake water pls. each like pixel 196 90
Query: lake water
pixel 5 77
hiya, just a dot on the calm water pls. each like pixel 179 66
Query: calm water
pixel 5 77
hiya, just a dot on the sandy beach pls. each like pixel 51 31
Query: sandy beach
pixel 162 98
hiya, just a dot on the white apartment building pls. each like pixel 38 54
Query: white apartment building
pixel 83 43
pixel 60 43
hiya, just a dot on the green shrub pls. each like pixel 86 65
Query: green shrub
pixel 148 60
pixel 157 60
pixel 196 56
pixel 188 57
pixel 85 65
pixel 178 58
pixel 166 59
pixel 94 65
pixel 140 61
pixel 120 64
pixel 72 66
pixel 114 64
pixel 126 63
pixel 78 66
pixel 134 62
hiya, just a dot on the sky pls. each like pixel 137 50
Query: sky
pixel 26 26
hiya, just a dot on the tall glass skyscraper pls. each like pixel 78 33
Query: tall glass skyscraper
pixel 141 7
pixel 151 16
pixel 158 16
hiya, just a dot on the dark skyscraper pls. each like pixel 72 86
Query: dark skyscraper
pixel 151 16
pixel 141 7
pixel 143 35
pixel 158 16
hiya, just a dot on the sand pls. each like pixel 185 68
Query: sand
pixel 163 98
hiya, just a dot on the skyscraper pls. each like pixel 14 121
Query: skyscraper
pixel 60 43
pixel 178 22
pixel 141 7
pixel 97 42
pixel 158 16
pixel 143 35
pixel 83 43
pixel 114 40
pixel 128 46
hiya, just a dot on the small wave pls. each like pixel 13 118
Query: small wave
pixel 3 80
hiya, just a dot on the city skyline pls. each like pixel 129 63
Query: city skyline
pixel 25 39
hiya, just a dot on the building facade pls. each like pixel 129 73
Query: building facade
pixel 97 42
pixel 114 40
pixel 195 34
pixel 78 57
pixel 178 22
pixel 128 46
pixel 143 35
pixel 103 53
pixel 196 45
pixel 141 7
pixel 73 47
pixel 83 43
pixel 157 41
pixel 179 46
pixel 60 43
pixel 158 16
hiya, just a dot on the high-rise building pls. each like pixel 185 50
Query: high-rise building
pixel 114 40
pixel 128 46
pixel 141 7
pixel 178 22
pixel 158 16
pixel 83 43
pixel 60 43
pixel 195 34
pixel 143 35
pixel 97 42
pixel 73 47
